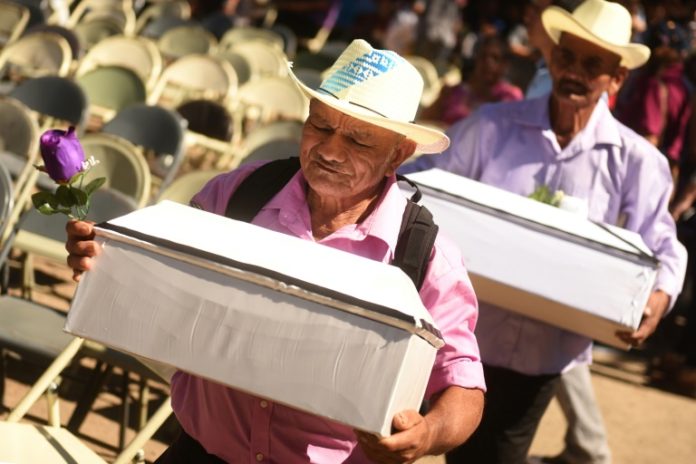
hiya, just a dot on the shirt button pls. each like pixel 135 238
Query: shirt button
pixel 264 404
pixel 259 457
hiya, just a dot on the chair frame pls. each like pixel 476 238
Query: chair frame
pixel 64 68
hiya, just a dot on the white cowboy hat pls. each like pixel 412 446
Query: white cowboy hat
pixel 606 24
pixel 379 87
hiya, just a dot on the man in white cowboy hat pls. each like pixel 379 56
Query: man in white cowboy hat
pixel 345 196
pixel 566 141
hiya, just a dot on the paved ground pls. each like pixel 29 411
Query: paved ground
pixel 645 425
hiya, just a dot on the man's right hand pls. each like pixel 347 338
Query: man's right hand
pixel 81 247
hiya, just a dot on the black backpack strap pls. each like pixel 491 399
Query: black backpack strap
pixel 260 187
pixel 415 243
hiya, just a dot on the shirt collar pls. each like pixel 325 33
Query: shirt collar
pixel 383 223
pixel 601 129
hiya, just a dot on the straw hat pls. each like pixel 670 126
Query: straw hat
pixel 606 24
pixel 379 87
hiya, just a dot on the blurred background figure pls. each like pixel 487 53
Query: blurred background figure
pixel 486 84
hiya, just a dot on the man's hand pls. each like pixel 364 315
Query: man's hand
pixel 452 417
pixel 685 200
pixel 652 314
pixel 81 247
pixel 411 440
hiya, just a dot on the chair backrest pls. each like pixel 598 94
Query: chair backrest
pixel 238 35
pixel 120 162
pixel 67 34
pixel 175 9
pixel 37 54
pixel 55 97
pixel 289 39
pixel 120 12
pixel 5 199
pixel 183 188
pixel 19 131
pixel 193 77
pixel 241 65
pixel 13 20
pixel 272 98
pixel 158 130
pixel 95 30
pixel 112 88
pixel 207 117
pixel 186 40
pixel 158 26
pixel 265 60
pixel 275 141
pixel 138 54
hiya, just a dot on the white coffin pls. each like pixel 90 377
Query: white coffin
pixel 541 261
pixel 302 324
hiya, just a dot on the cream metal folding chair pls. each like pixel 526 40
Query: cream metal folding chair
pixel 19 140
pixel 265 59
pixel 194 77
pixel 35 55
pixel 186 40
pixel 277 140
pixel 94 31
pixel 265 100
pixel 159 132
pixel 238 35
pixel 120 12
pixel 187 185
pixel 208 137
pixel 174 8
pixel 138 54
pixel 109 89
pixel 13 20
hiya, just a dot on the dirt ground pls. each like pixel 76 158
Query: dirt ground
pixel 645 425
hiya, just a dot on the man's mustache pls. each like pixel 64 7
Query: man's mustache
pixel 572 85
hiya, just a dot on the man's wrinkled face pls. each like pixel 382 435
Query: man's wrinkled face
pixel 344 157
pixel 582 71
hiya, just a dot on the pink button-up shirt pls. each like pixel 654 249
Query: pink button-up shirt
pixel 239 427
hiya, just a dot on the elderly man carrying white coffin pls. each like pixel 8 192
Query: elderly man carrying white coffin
pixel 344 196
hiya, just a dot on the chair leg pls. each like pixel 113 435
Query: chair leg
pixel 45 380
pixel 155 422
pixel 53 406
pixel 3 371
pixel 100 375
pixel 28 279
pixel 143 402
pixel 125 414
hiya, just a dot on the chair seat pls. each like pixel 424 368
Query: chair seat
pixel 32 329
pixel 27 443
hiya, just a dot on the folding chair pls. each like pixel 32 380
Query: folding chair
pixel 265 59
pixel 432 84
pixel 119 12
pixel 159 131
pixel 19 140
pixel 186 40
pixel 156 28
pixel 194 77
pixel 277 140
pixel 13 20
pixel 109 89
pixel 91 32
pixel 187 185
pixel 208 136
pixel 238 35
pixel 67 34
pixel 55 99
pixel 35 55
pixel 171 9
pixel 138 54
pixel 262 101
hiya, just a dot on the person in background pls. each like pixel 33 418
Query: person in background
pixel 344 196
pixel 657 104
pixel 486 85
pixel 566 141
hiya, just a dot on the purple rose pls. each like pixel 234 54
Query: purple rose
pixel 62 154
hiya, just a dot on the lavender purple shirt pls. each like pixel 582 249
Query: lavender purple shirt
pixel 625 180
pixel 239 427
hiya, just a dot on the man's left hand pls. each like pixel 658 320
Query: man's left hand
pixel 411 440
pixel 652 314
